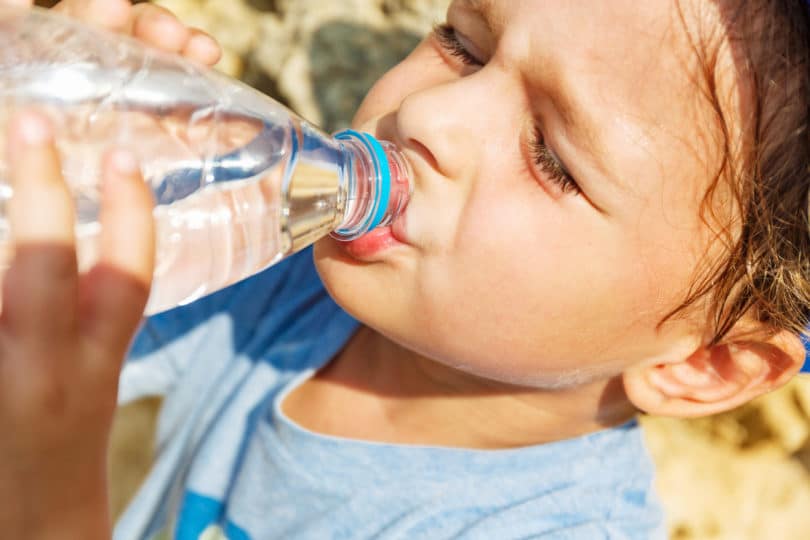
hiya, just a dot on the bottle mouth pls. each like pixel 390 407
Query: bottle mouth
pixel 379 187
pixel 401 173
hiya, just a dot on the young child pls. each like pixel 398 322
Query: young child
pixel 609 216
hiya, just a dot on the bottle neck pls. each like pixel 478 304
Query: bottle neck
pixel 376 182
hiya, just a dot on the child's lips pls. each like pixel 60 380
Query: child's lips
pixel 373 242
pixel 368 245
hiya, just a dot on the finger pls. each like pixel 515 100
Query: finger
pixel 109 14
pixel 43 273
pixel 127 237
pixel 202 48
pixel 159 27
pixel 41 210
pixel 118 286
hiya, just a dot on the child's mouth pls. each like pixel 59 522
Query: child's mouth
pixel 371 243
pixel 368 247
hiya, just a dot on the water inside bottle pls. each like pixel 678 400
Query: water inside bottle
pixel 214 236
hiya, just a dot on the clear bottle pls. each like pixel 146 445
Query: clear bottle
pixel 240 181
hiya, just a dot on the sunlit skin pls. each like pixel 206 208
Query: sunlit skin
pixel 505 285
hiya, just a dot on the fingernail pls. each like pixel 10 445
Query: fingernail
pixel 124 162
pixel 34 129
pixel 205 45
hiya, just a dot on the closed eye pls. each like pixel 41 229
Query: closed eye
pixel 550 164
pixel 449 41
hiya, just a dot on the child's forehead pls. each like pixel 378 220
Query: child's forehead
pixel 625 26
pixel 624 35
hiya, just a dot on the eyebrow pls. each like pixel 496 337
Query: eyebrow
pixel 479 5
pixel 571 112
pixel 483 7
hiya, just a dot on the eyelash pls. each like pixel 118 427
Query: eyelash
pixel 446 36
pixel 550 165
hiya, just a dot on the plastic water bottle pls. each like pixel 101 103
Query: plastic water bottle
pixel 240 181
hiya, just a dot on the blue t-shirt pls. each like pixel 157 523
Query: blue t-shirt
pixel 231 465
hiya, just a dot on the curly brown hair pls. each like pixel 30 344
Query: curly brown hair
pixel 766 271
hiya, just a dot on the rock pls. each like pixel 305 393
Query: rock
pixel 234 24
pixel 744 474
pixel 319 57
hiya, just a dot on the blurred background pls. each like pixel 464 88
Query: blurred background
pixel 736 476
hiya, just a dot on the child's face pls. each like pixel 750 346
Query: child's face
pixel 497 267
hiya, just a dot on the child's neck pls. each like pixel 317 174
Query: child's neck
pixel 377 390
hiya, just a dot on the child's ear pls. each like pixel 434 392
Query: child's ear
pixel 715 378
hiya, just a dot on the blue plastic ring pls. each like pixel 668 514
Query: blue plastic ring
pixel 382 169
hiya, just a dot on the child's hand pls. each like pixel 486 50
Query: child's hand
pixel 150 23
pixel 63 337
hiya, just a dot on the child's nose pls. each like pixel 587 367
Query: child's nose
pixel 447 124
